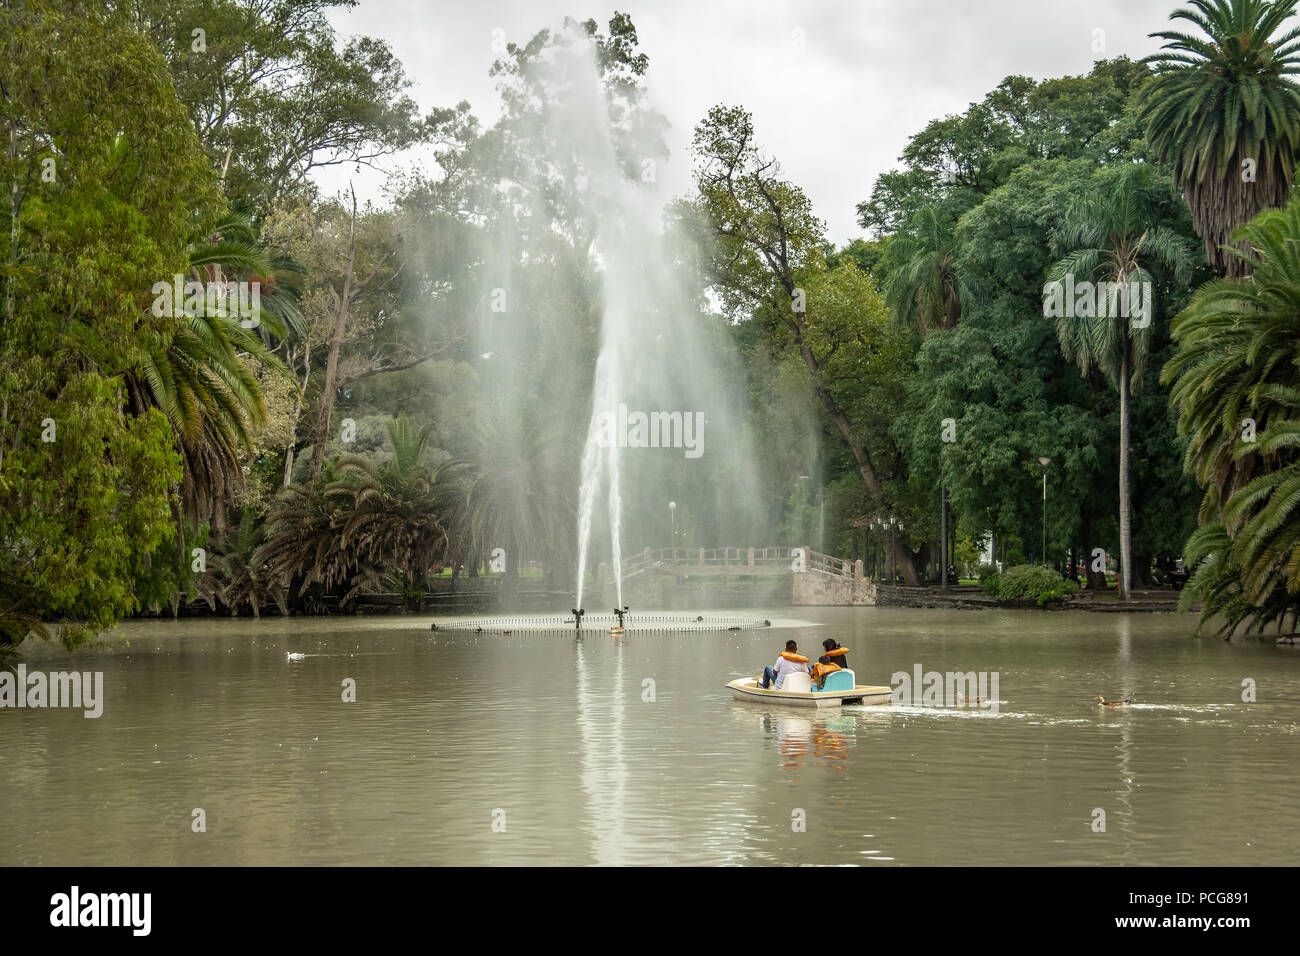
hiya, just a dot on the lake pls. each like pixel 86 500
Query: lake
pixel 546 748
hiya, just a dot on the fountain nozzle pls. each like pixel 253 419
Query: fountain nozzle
pixel 619 612
pixel 577 618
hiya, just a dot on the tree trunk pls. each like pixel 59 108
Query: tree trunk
pixel 1125 532
pixel 923 560
pixel 1094 580
pixel 297 414
pixel 904 559
pixel 943 538
pixel 353 288
pixel 342 305
pixel 1142 569
pixel 331 380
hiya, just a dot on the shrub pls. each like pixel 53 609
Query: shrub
pixel 968 553
pixel 1029 584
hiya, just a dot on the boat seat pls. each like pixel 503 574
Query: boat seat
pixel 840 680
pixel 798 683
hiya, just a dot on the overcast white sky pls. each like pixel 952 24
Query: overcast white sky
pixel 836 113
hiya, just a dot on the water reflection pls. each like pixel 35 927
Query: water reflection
pixel 604 768
pixel 1127 816
pixel 801 737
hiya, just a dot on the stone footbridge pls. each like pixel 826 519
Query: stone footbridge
pixel 815 578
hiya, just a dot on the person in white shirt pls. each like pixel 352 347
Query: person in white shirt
pixel 790 662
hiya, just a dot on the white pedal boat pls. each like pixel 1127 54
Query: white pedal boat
pixel 841 687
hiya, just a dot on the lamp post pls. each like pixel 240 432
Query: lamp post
pixel 672 517
pixel 900 531
pixel 873 529
pixel 892 523
pixel 877 556
pixel 886 554
pixel 943 537
pixel 1045 462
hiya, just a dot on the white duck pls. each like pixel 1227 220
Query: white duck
pixel 294 656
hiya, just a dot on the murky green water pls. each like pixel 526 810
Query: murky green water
pixel 550 736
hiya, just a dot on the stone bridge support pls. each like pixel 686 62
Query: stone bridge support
pixel 814 587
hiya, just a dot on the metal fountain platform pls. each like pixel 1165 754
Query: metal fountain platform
pixel 632 622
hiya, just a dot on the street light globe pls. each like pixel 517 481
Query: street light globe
pixel 672 506
pixel 1044 462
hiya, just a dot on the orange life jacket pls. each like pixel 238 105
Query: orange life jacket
pixel 820 671
pixel 795 658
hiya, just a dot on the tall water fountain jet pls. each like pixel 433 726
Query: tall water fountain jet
pixel 633 277
pixel 600 458
pixel 608 281
pixel 656 382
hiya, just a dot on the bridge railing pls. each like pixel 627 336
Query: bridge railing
pixel 829 564
pixel 769 556
pixel 709 557
pixel 728 557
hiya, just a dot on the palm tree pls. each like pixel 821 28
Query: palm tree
pixel 200 380
pixel 399 516
pixel 301 548
pixel 363 521
pixel 927 285
pixel 231 245
pixel 1112 237
pixel 1265 515
pixel 1221 102
pixel 1237 388
pixel 233 579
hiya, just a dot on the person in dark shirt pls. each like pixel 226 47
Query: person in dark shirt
pixel 835 658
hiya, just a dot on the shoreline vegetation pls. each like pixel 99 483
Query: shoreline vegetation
pixel 220 384
pixel 969 596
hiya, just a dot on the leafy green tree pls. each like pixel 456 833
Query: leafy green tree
pixel 1070 117
pixel 955 162
pixel 771 264
pixel 104 174
pixel 968 553
pixel 272 94
pixel 959 158
pixel 998 379
pixel 1223 111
